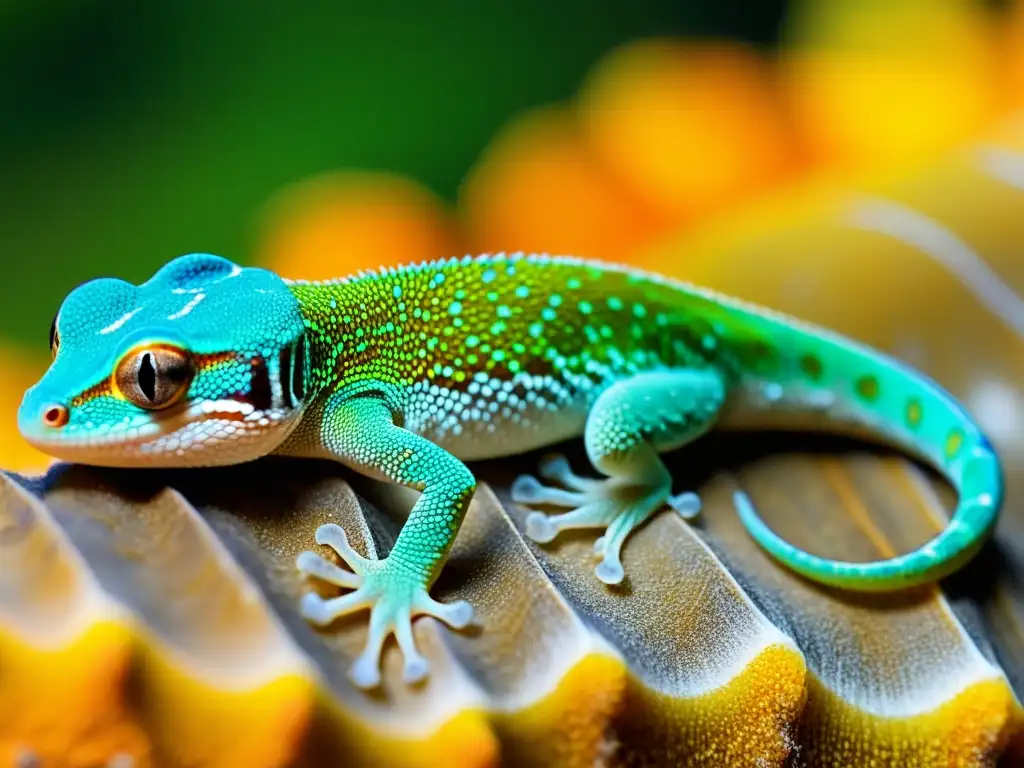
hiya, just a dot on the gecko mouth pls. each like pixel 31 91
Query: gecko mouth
pixel 182 435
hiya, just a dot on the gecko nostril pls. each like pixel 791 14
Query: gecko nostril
pixel 55 416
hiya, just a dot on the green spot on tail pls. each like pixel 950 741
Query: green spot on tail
pixel 954 443
pixel 915 412
pixel 812 367
pixel 868 388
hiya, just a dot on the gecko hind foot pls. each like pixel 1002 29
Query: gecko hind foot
pixel 615 504
pixel 393 596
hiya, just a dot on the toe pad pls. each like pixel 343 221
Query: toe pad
pixel 415 670
pixel 525 489
pixel 540 528
pixel 610 571
pixel 688 505
pixel 365 673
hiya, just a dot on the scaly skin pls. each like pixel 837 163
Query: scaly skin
pixel 406 373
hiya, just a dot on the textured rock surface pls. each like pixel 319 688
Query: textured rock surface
pixel 152 615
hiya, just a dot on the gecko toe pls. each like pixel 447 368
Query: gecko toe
pixel 457 614
pixel 312 607
pixel 610 571
pixel 555 466
pixel 540 528
pixel 415 669
pixel 328 533
pixel 688 505
pixel 321 612
pixel 365 672
pixel 311 564
pixel 333 536
pixel 526 489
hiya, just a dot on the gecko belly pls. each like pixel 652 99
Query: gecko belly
pixel 501 436
pixel 494 418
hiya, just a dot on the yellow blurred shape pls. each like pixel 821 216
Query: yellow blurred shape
pixel 18 372
pixel 970 730
pixel 1011 50
pixel 67 706
pixel 571 725
pixel 747 721
pixel 878 82
pixel 195 723
pixel 690 127
pixel 540 188
pixel 339 223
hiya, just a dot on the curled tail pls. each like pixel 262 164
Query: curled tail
pixel 979 485
pixel 853 388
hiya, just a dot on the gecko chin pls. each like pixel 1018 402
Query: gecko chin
pixel 203 434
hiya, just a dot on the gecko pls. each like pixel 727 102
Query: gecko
pixel 406 373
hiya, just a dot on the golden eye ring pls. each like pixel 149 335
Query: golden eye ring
pixel 154 376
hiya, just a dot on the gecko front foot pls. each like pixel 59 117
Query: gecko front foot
pixel 393 595
pixel 618 505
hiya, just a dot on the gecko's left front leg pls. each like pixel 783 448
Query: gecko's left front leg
pixel 361 432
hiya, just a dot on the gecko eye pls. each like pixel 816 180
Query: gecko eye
pixel 154 377
pixel 54 337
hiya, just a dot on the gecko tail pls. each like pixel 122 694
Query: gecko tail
pixel 977 478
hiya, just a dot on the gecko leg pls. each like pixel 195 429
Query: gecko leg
pixel 632 421
pixel 362 433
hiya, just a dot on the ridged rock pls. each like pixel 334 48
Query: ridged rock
pixel 149 618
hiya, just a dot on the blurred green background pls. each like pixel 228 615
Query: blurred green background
pixel 135 131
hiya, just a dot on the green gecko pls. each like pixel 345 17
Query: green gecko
pixel 406 373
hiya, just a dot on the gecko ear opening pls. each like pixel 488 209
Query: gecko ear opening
pixel 154 377
pixel 54 336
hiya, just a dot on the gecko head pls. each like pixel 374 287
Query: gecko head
pixel 205 363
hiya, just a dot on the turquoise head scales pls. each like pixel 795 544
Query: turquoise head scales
pixel 202 364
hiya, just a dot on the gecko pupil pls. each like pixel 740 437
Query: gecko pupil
pixel 147 377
